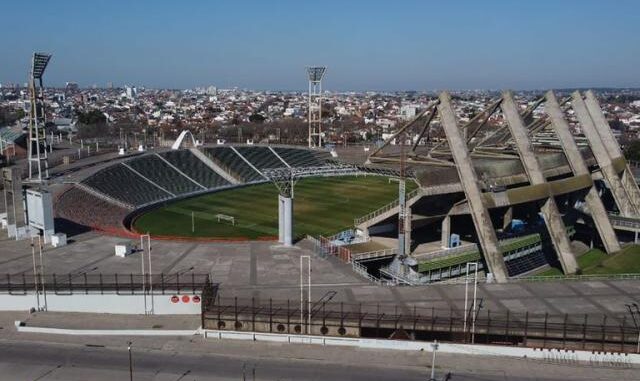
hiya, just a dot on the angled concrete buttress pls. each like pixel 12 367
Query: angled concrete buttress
pixel 472 190
pixel 612 146
pixel 602 156
pixel 552 216
pixel 577 164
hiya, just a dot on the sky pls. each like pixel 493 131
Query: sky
pixel 365 44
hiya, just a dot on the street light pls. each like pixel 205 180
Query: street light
pixel 434 349
pixel 466 297
pixel 635 322
pixel 308 258
pixel 130 362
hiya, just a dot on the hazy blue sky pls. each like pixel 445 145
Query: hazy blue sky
pixel 384 45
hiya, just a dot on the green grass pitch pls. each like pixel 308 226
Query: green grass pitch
pixel 322 205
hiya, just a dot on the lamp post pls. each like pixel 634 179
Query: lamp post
pixel 302 258
pixel 42 274
pixel 466 297
pixel 434 348
pixel 130 362
pixel 635 322
pixel 147 238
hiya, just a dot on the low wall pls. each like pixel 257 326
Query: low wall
pixel 168 304
pixel 551 355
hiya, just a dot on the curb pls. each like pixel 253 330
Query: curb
pixel 20 327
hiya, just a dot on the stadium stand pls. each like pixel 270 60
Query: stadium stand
pixel 124 185
pixel 300 157
pixel 260 157
pixel 230 160
pixel 77 207
pixel 161 173
pixel 156 177
pixel 190 165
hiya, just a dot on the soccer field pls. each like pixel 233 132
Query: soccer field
pixel 322 205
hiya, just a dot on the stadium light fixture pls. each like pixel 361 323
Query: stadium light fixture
pixel 316 73
pixel 39 64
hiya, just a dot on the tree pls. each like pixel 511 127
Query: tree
pixel 256 118
pixel 632 151
pixel 92 117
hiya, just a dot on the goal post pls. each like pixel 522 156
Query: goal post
pixel 227 218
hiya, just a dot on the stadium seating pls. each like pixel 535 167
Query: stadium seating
pixel 80 207
pixel 297 157
pixel 161 173
pixel 260 157
pixel 144 179
pixel 230 161
pixel 525 264
pixel 124 185
pixel 191 166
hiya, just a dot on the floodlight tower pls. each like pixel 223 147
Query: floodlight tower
pixel 315 105
pixel 37 119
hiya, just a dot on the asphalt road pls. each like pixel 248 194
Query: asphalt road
pixel 39 360
pixel 46 361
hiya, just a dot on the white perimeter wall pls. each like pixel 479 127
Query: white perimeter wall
pixel 104 303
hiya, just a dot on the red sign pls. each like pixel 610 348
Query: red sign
pixel 185 298
pixel 175 299
pixel 196 299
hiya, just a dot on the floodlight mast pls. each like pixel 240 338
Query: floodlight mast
pixel 37 119
pixel 315 105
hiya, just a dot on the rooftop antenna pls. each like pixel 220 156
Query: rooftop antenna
pixel 315 105
pixel 37 120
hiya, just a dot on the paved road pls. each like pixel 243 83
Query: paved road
pixel 26 361
pixel 229 360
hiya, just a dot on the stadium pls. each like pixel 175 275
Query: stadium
pixel 347 201
pixel 235 232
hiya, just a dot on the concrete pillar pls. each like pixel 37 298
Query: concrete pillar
pixel 507 218
pixel 280 219
pixel 285 220
pixel 471 186
pixel 574 157
pixel 612 146
pixel 602 156
pixel 446 232
pixel 552 216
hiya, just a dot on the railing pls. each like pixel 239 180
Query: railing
pixel 593 277
pixel 103 283
pixel 361 270
pixel 624 221
pixel 467 247
pixel 386 208
pixel 373 254
pixel 324 246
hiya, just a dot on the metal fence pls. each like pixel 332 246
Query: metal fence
pixel 570 332
pixel 103 283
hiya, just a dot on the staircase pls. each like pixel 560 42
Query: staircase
pixel 211 164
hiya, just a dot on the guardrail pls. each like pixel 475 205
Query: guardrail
pixel 386 208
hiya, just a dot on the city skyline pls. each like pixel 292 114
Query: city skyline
pixel 367 46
